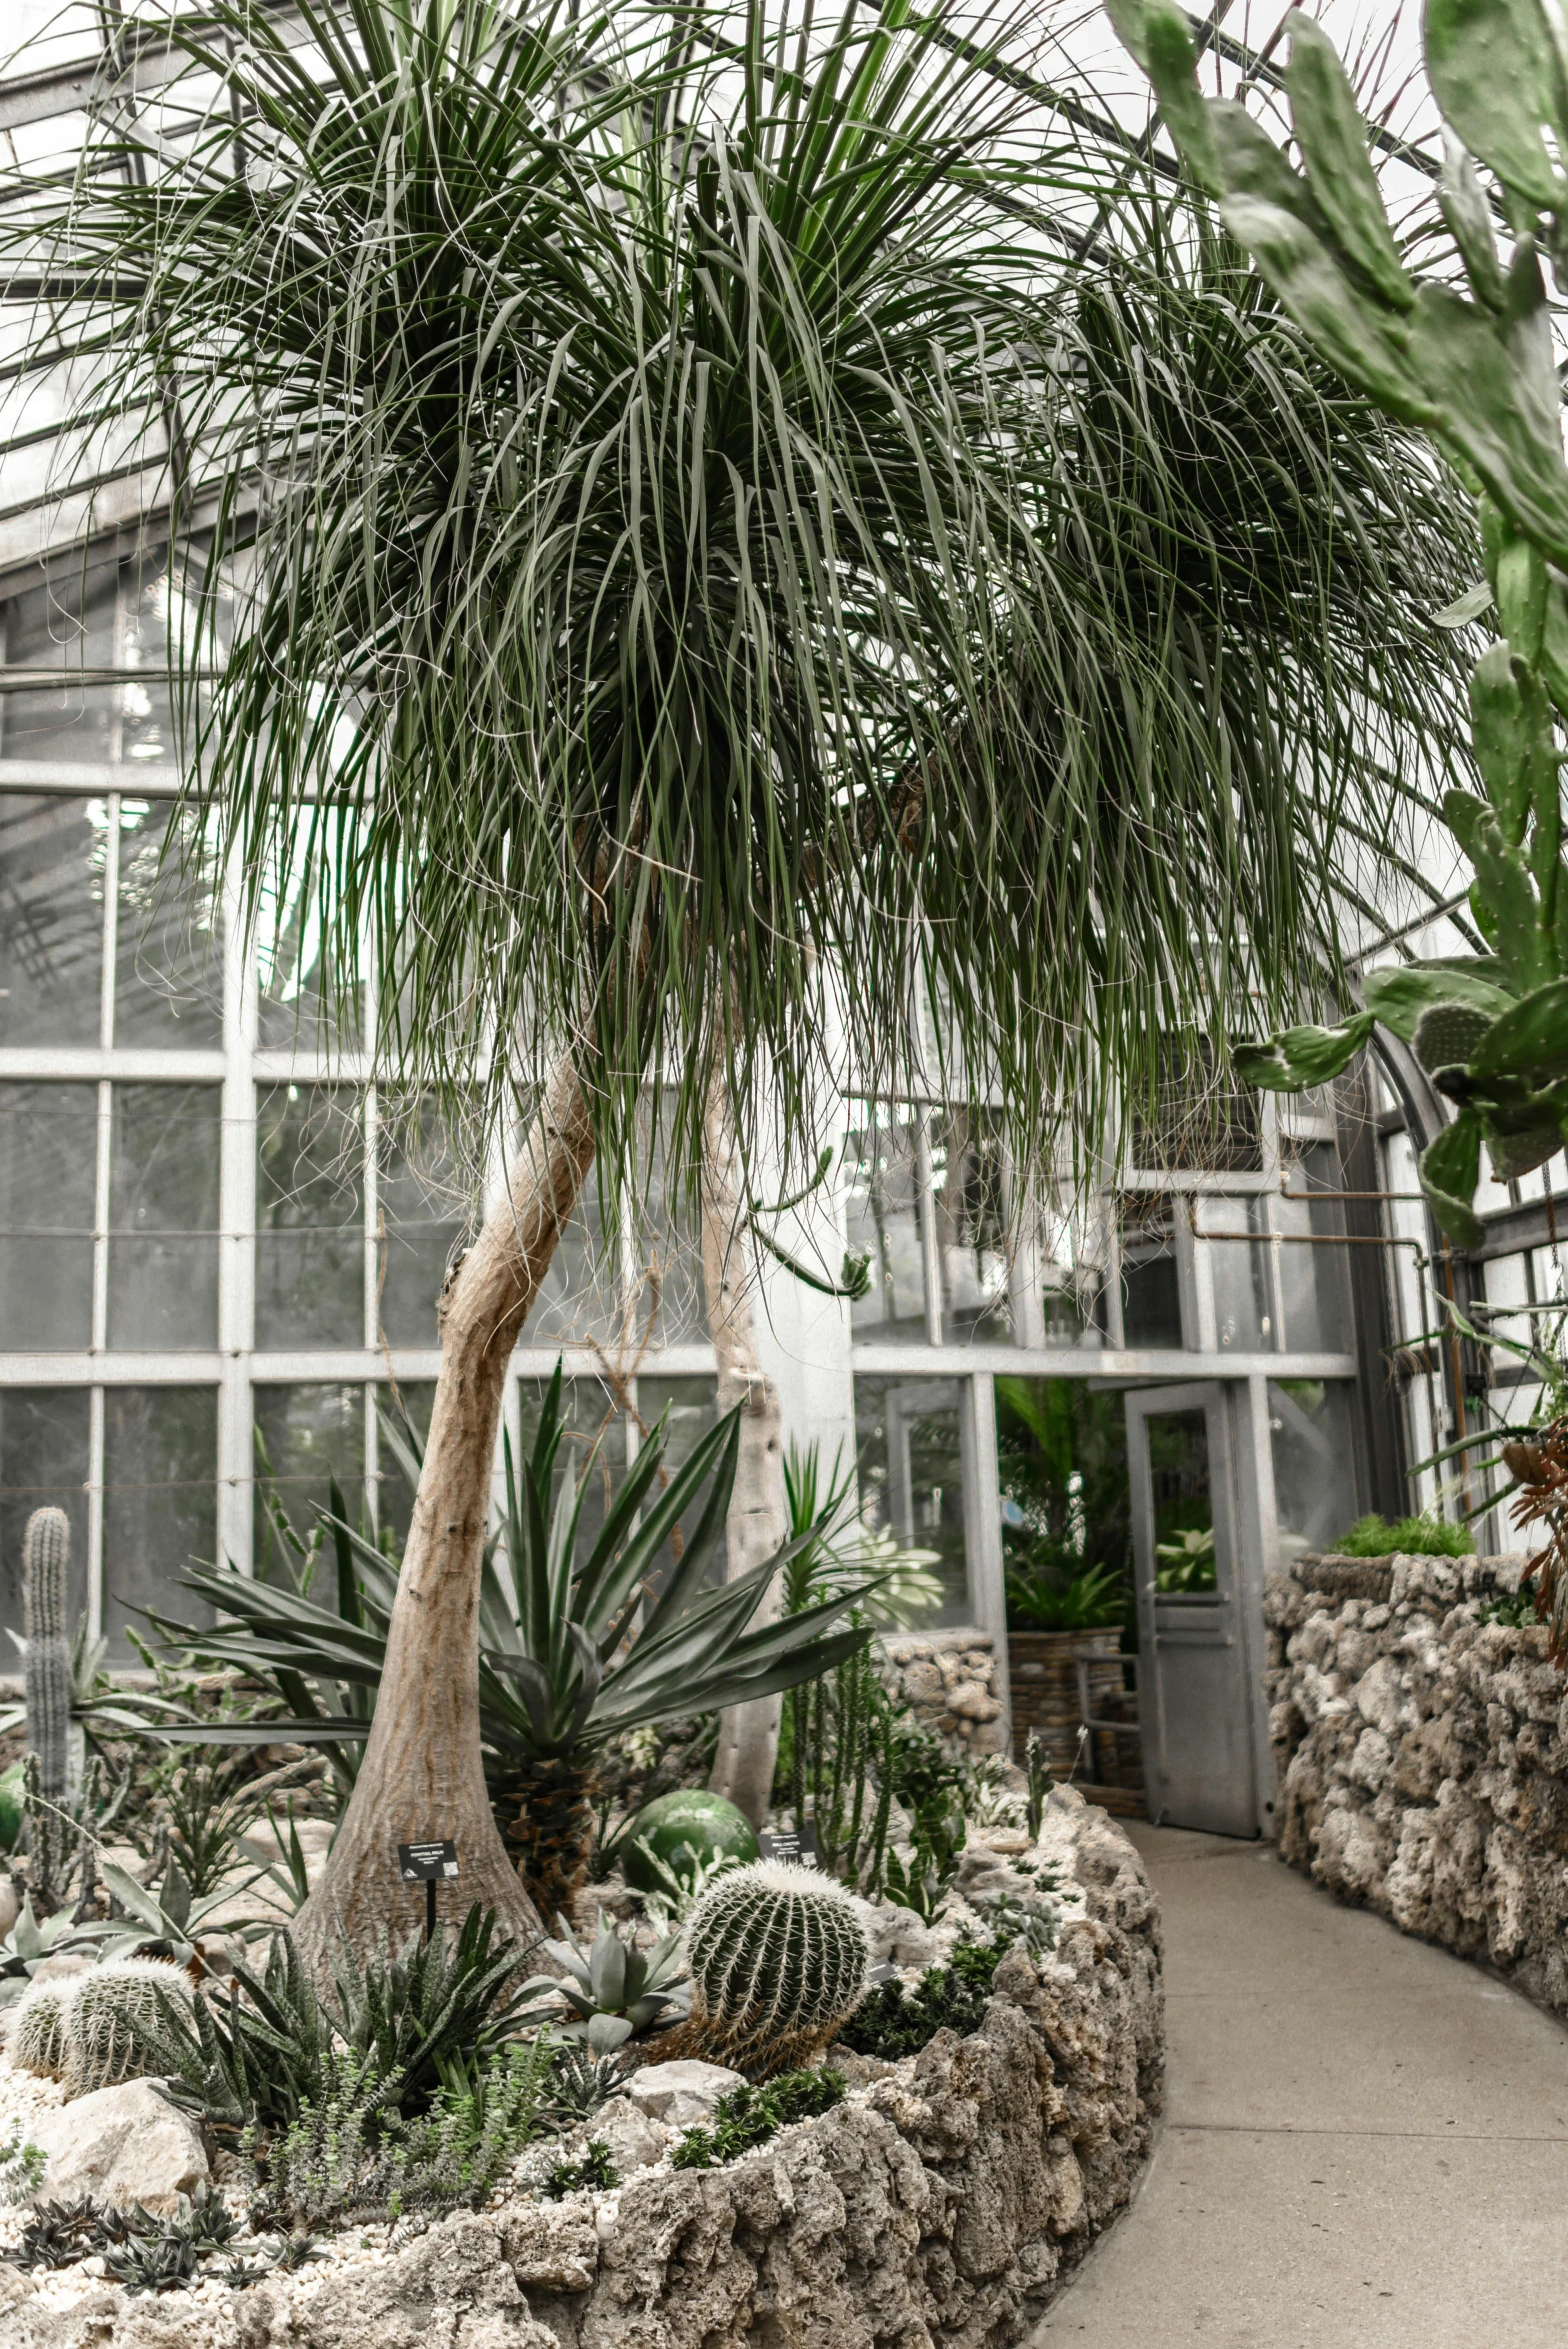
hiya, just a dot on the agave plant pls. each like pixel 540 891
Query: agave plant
pixel 613 1992
pixel 574 1647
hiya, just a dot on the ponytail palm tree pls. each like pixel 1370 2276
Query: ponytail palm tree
pixel 647 459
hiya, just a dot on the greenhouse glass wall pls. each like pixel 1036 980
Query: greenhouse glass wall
pixel 221 1242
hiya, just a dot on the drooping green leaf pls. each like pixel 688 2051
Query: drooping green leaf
pixel 1332 138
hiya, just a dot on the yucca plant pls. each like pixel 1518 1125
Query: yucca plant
pixel 578 1641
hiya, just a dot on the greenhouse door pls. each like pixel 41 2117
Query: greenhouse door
pixel 1185 1445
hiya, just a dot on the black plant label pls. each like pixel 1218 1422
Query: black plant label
pixel 427 1863
pixel 785 1844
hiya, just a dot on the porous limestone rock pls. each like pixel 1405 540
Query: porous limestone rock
pixel 1423 1755
pixel 682 2094
pixel 938 2207
pixel 122 2146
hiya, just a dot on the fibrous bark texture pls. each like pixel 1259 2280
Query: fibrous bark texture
pixel 1423 1755
pixel 755 1526
pixel 422 1776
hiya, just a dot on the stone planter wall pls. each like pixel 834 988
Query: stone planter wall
pixel 1423 1755
pixel 939 2207
pixel 948 1680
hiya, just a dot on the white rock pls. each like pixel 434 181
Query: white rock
pixel 121 2145
pixel 681 2094
pixel 10 1904
pixel 634 2137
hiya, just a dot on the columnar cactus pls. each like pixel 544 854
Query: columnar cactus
pixel 35 2037
pixel 113 2019
pixel 778 1958
pixel 46 1550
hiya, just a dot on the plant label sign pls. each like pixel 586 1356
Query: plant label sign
pixel 786 1845
pixel 427 1863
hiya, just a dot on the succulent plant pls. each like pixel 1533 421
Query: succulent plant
pixel 35 2036
pixel 613 1992
pixel 114 2020
pixel 778 1958
pixel 46 1550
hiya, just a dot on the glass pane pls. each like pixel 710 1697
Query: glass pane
pixel 1185 1562
pixel 43 1464
pixel 51 919
pixel 909 1453
pixel 160 1502
pixel 578 1296
pixel 1194 1121
pixel 310 1245
pixel 692 1405
pixel 882 1222
pixel 667 1252
pixel 970 1209
pixel 163 1217
pixel 169 949
pixel 1151 1289
pixel 298 1011
pixel 305 1436
pixel 1239 1271
pixel 1062 1476
pixel 422 1207
pixel 65 625
pixel 1313 1278
pixel 412 1401
pixel 48 1154
pixel 1313 1442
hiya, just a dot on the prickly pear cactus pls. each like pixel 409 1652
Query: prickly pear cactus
pixel 35 2035
pixel 778 1958
pixel 113 2021
pixel 1468 354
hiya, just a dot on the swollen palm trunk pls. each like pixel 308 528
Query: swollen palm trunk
pixel 422 1776
pixel 551 1834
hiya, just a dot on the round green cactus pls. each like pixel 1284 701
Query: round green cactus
pixel 35 2039
pixel 112 2022
pixel 778 1958
pixel 685 1829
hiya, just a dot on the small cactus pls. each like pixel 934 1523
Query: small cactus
pixel 778 1958
pixel 35 2039
pixel 46 1550
pixel 113 2021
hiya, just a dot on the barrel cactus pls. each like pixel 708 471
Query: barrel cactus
pixel 113 2022
pixel 778 1958
pixel 35 2038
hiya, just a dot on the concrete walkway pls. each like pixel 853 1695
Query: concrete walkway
pixel 1365 2140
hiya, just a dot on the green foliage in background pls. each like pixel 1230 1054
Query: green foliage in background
pixel 1066 1533
pixel 1480 375
pixel 1426 1536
